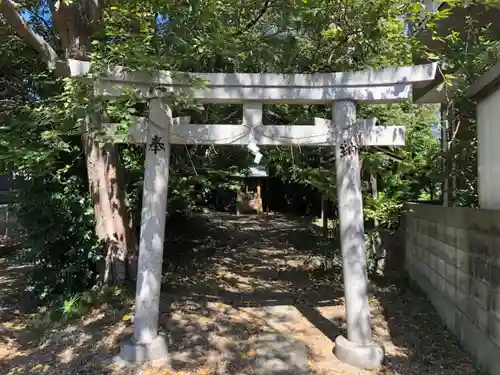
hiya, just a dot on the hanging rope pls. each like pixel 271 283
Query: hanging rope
pixel 249 129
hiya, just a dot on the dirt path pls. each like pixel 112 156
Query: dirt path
pixel 242 277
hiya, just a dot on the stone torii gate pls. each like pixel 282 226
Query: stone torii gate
pixel 341 90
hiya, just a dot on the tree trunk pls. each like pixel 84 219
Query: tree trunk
pixel 374 189
pixel 122 217
pixel 378 251
pixel 324 214
pixel 113 221
pixel 445 150
pixel 75 23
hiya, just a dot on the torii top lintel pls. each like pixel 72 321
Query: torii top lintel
pixel 381 86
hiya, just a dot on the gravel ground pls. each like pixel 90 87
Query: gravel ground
pixel 242 277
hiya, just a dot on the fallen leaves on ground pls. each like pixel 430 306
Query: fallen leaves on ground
pixel 406 324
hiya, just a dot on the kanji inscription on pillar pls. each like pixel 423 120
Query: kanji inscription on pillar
pixel 347 148
pixel 156 144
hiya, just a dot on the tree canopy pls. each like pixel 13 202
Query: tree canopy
pixel 44 113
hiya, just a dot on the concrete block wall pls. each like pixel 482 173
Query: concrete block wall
pixel 453 254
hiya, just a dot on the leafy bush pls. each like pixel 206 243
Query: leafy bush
pixel 57 226
pixel 386 210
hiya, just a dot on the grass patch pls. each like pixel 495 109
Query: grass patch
pixel 65 311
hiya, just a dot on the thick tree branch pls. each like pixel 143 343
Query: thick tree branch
pixel 42 20
pixel 262 12
pixel 389 154
pixel 8 9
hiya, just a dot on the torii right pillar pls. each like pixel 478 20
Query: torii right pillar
pixel 358 349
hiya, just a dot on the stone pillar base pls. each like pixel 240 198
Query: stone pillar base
pixel 133 352
pixel 364 356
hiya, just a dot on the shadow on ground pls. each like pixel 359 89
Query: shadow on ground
pixel 421 341
pixel 16 299
pixel 227 281
pixel 256 281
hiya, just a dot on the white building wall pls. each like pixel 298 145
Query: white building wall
pixel 488 134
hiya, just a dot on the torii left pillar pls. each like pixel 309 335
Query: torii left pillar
pixel 147 344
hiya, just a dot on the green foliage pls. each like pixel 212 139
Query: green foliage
pixel 58 229
pixel 304 36
pixel 37 120
pixel 467 51
pixel 285 36
pixel 385 210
